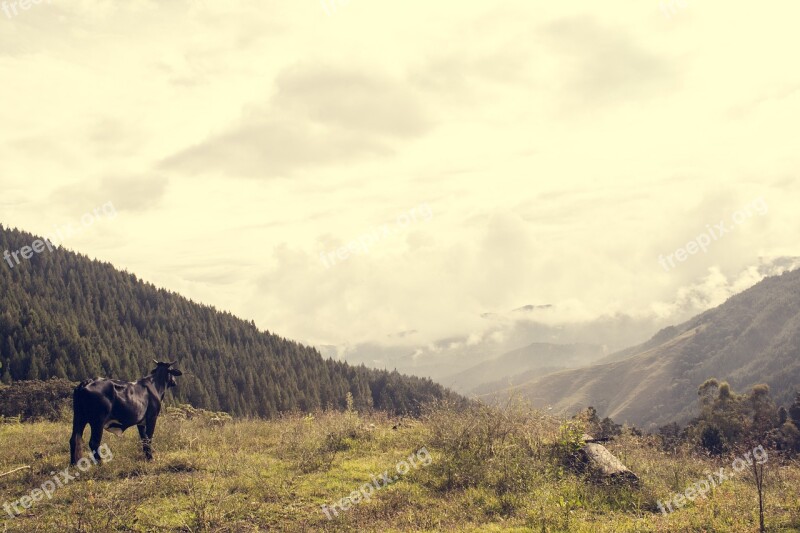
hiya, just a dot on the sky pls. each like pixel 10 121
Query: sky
pixel 392 173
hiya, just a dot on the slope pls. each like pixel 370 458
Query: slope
pixel 754 337
pixel 64 315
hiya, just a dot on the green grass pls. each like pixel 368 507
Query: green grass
pixel 490 471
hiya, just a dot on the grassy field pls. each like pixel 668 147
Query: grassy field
pixel 480 470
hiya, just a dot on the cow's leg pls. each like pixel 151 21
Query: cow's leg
pixel 76 441
pixel 149 430
pixel 94 442
pixel 148 452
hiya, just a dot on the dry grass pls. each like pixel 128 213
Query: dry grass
pixel 492 470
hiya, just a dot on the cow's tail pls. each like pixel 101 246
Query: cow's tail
pixel 78 424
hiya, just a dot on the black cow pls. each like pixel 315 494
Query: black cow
pixel 117 405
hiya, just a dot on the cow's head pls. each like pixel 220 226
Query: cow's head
pixel 164 371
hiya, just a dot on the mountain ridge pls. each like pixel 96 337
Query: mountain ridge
pixel 753 337
pixel 542 357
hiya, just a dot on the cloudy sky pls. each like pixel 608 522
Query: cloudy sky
pixel 487 155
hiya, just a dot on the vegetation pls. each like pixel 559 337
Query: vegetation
pixel 729 421
pixel 734 423
pixel 64 316
pixel 37 400
pixel 599 429
pixel 492 469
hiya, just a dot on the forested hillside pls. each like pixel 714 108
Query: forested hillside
pixel 64 315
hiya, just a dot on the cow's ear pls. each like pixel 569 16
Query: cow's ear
pixel 175 372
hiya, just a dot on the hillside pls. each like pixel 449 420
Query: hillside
pixel 754 337
pixel 64 315
pixel 536 359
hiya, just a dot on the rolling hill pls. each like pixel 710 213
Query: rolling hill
pixel 754 337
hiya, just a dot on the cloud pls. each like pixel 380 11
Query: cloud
pixel 137 193
pixel 319 115
pixel 457 72
pixel 480 114
pixel 603 65
pixel 716 287
pixel 402 334
pixel 352 100
pixel 126 193
pixel 266 147
pixel 112 137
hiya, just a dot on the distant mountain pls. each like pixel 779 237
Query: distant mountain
pixel 64 315
pixel 530 361
pixel 525 309
pixel 754 337
pixel 442 358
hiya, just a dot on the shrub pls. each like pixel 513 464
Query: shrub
pixel 37 400
pixel 187 412
pixel 670 436
pixel 313 441
pixel 503 450
pixel 712 440
pixel 786 438
pixel 566 449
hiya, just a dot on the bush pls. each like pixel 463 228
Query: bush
pixel 786 438
pixel 503 450
pixel 566 449
pixel 671 437
pixel 312 441
pixel 712 440
pixel 187 412
pixel 37 400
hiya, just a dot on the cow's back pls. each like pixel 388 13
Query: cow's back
pixel 93 398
